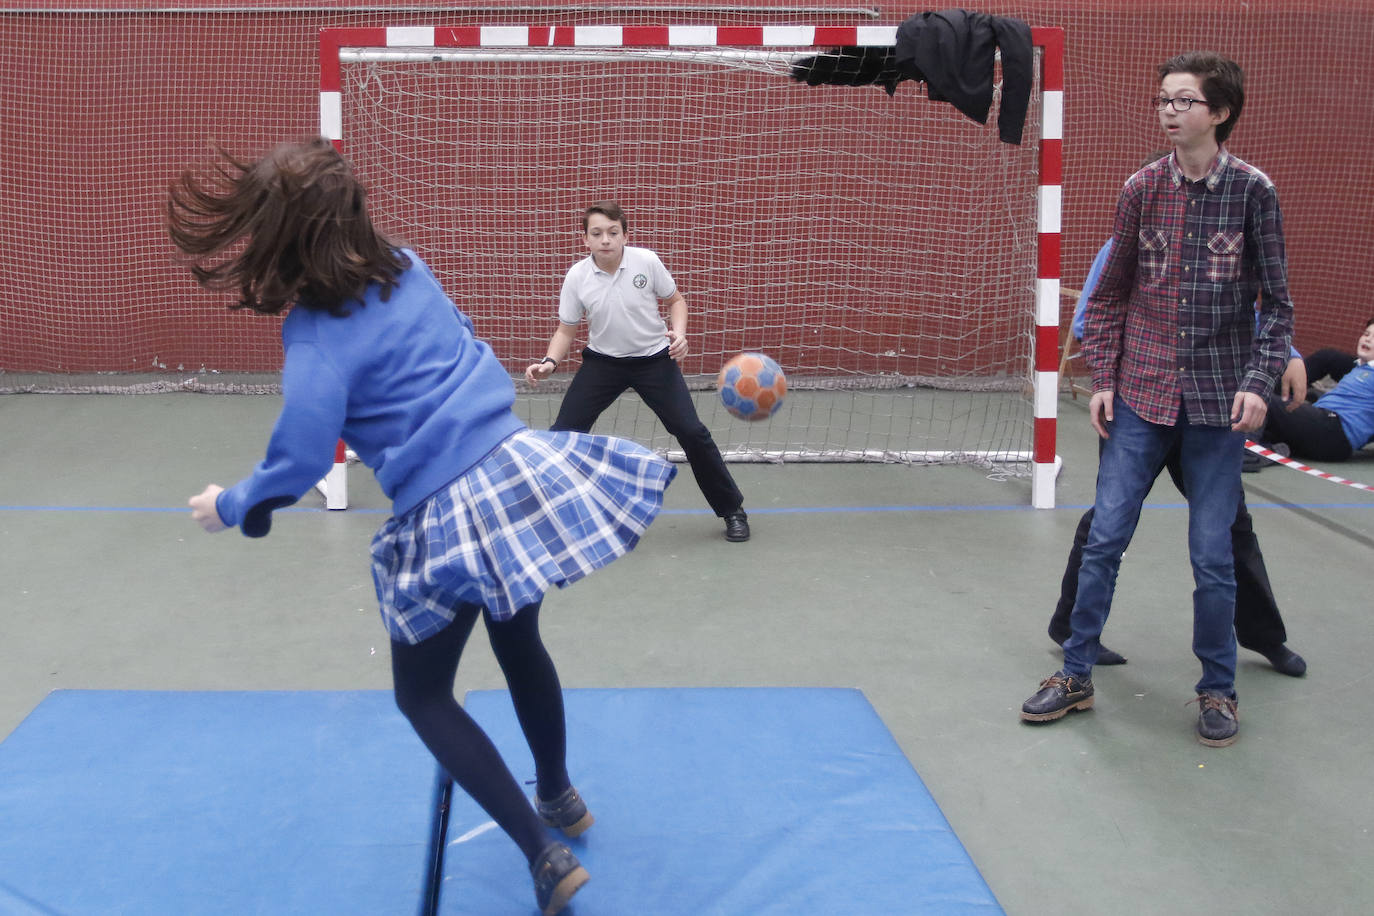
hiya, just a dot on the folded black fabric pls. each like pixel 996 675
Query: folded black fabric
pixel 854 66
pixel 953 53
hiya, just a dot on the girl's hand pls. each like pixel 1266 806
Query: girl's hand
pixel 203 511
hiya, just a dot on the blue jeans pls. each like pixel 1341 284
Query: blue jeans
pixel 1210 459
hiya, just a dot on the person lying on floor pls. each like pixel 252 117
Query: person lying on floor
pixel 1341 421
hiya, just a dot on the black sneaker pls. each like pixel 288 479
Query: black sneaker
pixel 1059 695
pixel 1218 719
pixel 1105 656
pixel 737 526
pixel 568 813
pixel 557 876
pixel 1252 463
pixel 1286 661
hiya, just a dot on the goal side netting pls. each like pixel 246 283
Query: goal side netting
pixel 896 258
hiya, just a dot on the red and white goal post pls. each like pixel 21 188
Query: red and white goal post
pixel 898 260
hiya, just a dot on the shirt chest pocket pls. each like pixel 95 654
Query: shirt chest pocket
pixel 1224 251
pixel 1154 254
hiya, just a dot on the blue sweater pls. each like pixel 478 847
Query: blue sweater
pixel 404 382
pixel 1089 284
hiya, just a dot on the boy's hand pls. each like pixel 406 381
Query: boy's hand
pixel 1248 411
pixel 203 511
pixel 1100 412
pixel 1293 385
pixel 536 371
pixel 677 345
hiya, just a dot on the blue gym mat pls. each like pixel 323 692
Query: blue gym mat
pixel 158 803
pixel 724 802
pixel 737 802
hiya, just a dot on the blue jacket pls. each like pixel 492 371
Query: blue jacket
pixel 1089 285
pixel 404 382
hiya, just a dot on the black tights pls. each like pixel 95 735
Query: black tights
pixel 423 675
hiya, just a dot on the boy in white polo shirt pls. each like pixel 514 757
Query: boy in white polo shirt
pixel 618 289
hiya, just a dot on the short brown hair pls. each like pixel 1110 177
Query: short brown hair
pixel 609 209
pixel 1223 82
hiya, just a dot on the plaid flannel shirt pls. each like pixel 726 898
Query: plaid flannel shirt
pixel 1172 320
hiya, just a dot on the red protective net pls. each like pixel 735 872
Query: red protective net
pixel 103 108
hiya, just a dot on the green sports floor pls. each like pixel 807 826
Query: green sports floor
pixel 927 588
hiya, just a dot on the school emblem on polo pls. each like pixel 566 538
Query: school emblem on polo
pixel 641 281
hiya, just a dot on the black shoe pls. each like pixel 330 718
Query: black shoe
pixel 1105 656
pixel 737 526
pixel 568 813
pixel 557 876
pixel 1218 722
pixel 1059 695
pixel 1253 464
pixel 1286 661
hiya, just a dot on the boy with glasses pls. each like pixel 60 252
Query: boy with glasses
pixel 1177 363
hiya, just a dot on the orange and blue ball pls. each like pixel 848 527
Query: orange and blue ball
pixel 752 386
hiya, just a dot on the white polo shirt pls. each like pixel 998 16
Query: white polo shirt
pixel 622 310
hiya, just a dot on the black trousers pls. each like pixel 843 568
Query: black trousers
pixel 1258 624
pixel 423 675
pixel 658 380
pixel 1308 431
pixel 1332 362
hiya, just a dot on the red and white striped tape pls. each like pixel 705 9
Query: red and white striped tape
pixel 1299 466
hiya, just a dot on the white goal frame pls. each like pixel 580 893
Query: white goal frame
pixel 515 42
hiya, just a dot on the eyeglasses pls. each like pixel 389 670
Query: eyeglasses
pixel 1181 104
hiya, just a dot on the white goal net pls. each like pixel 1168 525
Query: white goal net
pixel 884 249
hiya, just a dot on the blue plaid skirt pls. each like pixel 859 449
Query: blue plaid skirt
pixel 541 509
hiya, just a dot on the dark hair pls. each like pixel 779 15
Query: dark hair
pixel 289 228
pixel 1223 82
pixel 609 209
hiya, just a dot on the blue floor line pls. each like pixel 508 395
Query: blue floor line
pixel 792 510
